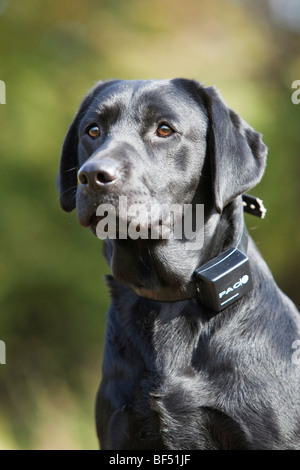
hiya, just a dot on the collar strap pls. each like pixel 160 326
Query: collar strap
pixel 253 205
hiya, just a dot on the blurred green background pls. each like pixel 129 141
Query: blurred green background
pixel 52 291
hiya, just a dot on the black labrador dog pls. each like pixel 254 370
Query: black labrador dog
pixel 176 373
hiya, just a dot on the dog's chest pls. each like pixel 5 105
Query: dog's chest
pixel 153 393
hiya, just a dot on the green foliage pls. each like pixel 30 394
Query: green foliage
pixel 53 296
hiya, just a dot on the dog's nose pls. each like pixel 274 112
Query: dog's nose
pixel 98 174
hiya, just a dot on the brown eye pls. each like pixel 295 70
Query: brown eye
pixel 164 131
pixel 94 131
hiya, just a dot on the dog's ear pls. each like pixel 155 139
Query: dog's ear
pixel 237 152
pixel 67 177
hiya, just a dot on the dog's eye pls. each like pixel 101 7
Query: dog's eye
pixel 93 131
pixel 164 131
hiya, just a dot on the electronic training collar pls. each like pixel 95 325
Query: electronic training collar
pixel 226 278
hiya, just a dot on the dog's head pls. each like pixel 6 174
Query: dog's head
pixel 155 142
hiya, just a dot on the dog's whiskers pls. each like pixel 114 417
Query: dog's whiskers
pixel 72 169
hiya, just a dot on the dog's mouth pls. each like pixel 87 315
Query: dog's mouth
pixel 141 253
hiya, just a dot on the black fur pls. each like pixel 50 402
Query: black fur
pixel 175 375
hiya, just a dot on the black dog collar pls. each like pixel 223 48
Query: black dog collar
pixel 254 206
pixel 226 278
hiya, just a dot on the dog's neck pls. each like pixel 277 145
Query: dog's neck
pixel 163 270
